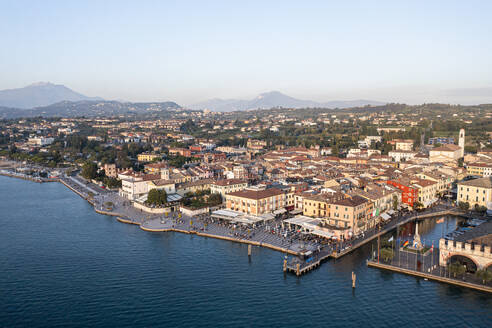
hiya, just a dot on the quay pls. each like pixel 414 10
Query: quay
pixel 306 256
pixel 429 276
pixel 300 267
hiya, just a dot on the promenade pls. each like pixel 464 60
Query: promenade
pixel 308 251
pixel 300 266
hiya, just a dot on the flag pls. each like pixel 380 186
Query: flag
pixel 391 239
pixel 405 243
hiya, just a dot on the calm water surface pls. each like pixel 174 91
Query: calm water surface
pixel 64 265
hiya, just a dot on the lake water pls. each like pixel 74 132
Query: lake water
pixel 64 265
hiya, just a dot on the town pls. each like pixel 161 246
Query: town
pixel 312 183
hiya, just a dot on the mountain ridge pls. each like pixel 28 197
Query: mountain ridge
pixel 40 94
pixel 275 99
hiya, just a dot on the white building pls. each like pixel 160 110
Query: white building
pixel 399 155
pixel 40 141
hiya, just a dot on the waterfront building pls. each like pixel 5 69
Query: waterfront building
pixel 256 201
pixel 349 216
pixel 409 193
pixel 476 192
pixel 226 186
pixel 134 184
pixel 318 206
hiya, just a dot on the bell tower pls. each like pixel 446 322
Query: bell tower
pixel 461 142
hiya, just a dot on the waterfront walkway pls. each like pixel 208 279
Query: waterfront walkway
pixel 300 266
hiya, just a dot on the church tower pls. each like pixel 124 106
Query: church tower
pixel 461 142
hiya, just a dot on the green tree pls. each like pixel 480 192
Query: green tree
pixel 157 197
pixel 387 254
pixel 484 275
pixel 215 199
pixel 89 170
pixel 456 268
pixel 464 206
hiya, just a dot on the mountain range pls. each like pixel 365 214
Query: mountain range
pixel 39 94
pixel 275 99
pixel 88 108
pixel 48 99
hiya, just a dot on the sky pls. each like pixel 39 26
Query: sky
pixel 190 51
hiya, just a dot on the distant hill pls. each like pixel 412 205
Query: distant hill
pixel 275 99
pixel 88 108
pixel 39 94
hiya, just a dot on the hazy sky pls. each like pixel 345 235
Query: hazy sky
pixel 188 51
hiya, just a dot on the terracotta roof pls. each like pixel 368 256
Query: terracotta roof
pixel 352 202
pixel 228 182
pixel 448 147
pixel 481 183
pixel 256 194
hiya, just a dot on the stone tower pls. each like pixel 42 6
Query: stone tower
pixel 461 142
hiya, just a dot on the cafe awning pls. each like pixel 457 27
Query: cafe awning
pixel 385 216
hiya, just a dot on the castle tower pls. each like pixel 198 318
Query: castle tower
pixel 461 142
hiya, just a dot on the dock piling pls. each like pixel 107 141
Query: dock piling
pixel 354 277
pixel 249 250
pixel 285 265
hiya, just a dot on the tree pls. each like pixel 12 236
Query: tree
pixel 456 268
pixel 484 275
pixel 215 199
pixel 157 197
pixel 480 209
pixel 464 206
pixel 89 170
pixel 387 254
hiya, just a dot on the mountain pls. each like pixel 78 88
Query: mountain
pixel 89 108
pixel 274 99
pixel 39 94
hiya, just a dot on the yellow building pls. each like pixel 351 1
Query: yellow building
pixel 318 206
pixel 148 157
pixel 256 202
pixel 481 169
pixel 350 214
pixel 476 192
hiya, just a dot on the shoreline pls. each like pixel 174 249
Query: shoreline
pixel 122 219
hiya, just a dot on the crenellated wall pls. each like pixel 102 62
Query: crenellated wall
pixel 448 248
